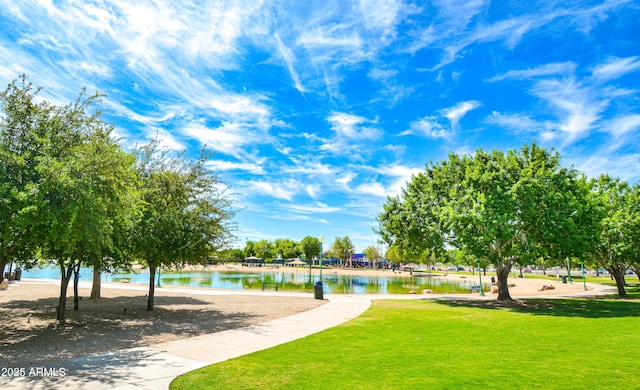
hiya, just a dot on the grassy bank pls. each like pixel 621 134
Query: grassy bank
pixel 450 344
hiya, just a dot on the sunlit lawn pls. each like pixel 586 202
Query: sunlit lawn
pixel 631 280
pixel 451 344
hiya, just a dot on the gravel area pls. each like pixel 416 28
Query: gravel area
pixel 30 334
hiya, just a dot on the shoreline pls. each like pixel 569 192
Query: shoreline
pixel 518 287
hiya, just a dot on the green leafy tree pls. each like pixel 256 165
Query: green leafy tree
pixel 394 255
pixel 398 227
pixel 418 256
pixel 505 208
pixel 310 248
pixel 372 253
pixel 617 246
pixel 343 249
pixel 287 248
pixel 113 202
pixel 264 249
pixel 459 257
pixel 231 254
pixel 62 206
pixel 185 217
pixel 249 249
pixel 23 129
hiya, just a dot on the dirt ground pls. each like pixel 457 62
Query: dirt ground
pixel 30 334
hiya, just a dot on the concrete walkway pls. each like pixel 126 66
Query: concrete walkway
pixel 156 366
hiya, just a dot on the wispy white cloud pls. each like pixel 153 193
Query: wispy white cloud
pixel 313 208
pixel 313 190
pixel 623 125
pixel 428 126
pixel 345 179
pixel 281 189
pixel 289 60
pixel 457 112
pixel 621 129
pixel 334 38
pixel 394 176
pixel 556 68
pixel 368 206
pixel 167 139
pixel 381 16
pixel 349 127
pixel 615 68
pixel 574 104
pixel 382 74
pixel 519 123
pixel 624 166
pixel 459 25
pixel 227 138
pixel 255 168
pixel 366 186
pixel 575 107
pixel 435 126
pixel 371 188
pixel 310 167
pixel 324 40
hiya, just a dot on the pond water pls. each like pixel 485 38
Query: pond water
pixel 285 280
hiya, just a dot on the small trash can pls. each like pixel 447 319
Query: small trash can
pixel 317 290
pixel 564 279
pixel 18 274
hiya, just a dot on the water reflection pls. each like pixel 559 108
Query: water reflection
pixel 284 281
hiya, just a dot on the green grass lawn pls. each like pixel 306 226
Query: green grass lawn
pixel 547 344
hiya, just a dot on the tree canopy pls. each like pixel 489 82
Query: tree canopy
pixel 343 249
pixel 617 247
pixel 310 247
pixel 186 211
pixel 70 193
pixel 287 248
pixel 503 208
pixel 65 179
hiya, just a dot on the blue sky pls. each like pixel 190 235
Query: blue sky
pixel 318 110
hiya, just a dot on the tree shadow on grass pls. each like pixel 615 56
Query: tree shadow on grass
pixel 588 308
pixel 103 325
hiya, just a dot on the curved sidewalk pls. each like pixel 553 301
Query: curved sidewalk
pixel 156 366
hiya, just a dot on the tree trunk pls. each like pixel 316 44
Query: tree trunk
pixel 636 270
pixel 95 287
pixel 152 287
pixel 503 271
pixel 619 277
pixel 3 263
pixel 76 280
pixel 64 283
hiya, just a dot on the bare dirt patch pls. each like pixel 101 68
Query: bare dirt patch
pixel 30 334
